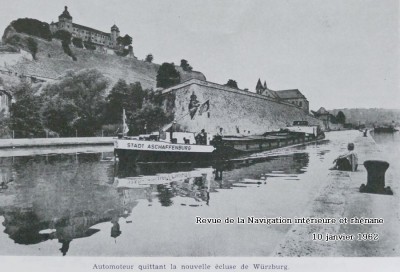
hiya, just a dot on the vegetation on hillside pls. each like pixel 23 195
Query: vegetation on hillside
pixel 125 40
pixel 232 83
pixel 66 38
pixel 77 42
pixel 32 27
pixel 167 75
pixel 28 43
pixel 77 105
pixel 25 117
pixel 142 107
pixel 149 58
pixel 186 66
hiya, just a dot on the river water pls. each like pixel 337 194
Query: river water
pixel 79 202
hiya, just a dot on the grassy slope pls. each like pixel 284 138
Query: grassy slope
pixel 52 62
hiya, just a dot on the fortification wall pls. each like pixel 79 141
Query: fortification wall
pixel 231 110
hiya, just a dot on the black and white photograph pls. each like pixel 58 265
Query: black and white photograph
pixel 185 135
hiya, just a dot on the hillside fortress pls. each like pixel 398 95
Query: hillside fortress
pixel 85 33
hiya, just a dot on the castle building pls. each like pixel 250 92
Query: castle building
pixel 293 96
pixel 85 33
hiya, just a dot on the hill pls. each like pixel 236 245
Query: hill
pixel 51 62
pixel 370 117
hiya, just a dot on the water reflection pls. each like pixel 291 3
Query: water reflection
pixel 64 196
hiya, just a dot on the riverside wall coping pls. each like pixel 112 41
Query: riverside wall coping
pixel 37 142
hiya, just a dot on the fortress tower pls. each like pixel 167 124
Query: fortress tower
pixel 114 35
pixel 65 20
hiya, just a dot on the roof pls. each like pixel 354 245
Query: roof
pixel 66 14
pixel 289 94
pixel 259 85
pixel 90 29
pixel 114 27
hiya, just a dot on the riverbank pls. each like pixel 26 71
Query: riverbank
pixel 42 142
pixel 339 197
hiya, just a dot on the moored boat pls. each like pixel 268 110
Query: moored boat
pixel 388 129
pixel 167 147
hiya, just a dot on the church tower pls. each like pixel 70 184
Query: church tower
pixel 259 87
pixel 65 21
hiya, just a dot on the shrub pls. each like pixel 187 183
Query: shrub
pixel 122 53
pixel 63 35
pixel 167 75
pixel 77 42
pixel 32 46
pixel 68 50
pixel 89 45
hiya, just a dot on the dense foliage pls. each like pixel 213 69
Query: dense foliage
pixel 25 117
pixel 149 58
pixel 167 75
pixel 124 41
pixel 142 107
pixel 66 38
pixel 186 66
pixel 75 103
pixel 341 118
pixel 77 42
pixel 32 27
pixel 232 83
pixel 89 45
pixel 32 46
pixel 123 96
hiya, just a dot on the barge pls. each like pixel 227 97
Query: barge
pixel 173 146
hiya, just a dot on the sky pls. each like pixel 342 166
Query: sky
pixel 339 54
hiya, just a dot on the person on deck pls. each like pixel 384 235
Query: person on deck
pixel 201 138
pixel 347 161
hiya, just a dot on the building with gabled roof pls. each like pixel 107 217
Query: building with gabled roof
pixel 292 96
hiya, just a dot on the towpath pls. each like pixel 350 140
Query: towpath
pixel 339 197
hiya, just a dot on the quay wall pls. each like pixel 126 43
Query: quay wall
pixel 38 142
pixel 235 111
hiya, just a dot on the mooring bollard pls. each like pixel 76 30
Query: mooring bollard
pixel 376 178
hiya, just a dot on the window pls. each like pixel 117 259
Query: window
pixel 300 104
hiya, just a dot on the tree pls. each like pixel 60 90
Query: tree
pixel 32 27
pixel 25 117
pixel 150 115
pixel 76 102
pixel 167 75
pixel 32 46
pixel 63 35
pixel 77 42
pixel 185 65
pixel 341 118
pixel 149 58
pixel 123 96
pixel 124 41
pixel 232 83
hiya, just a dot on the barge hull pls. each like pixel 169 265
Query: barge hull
pixel 161 156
